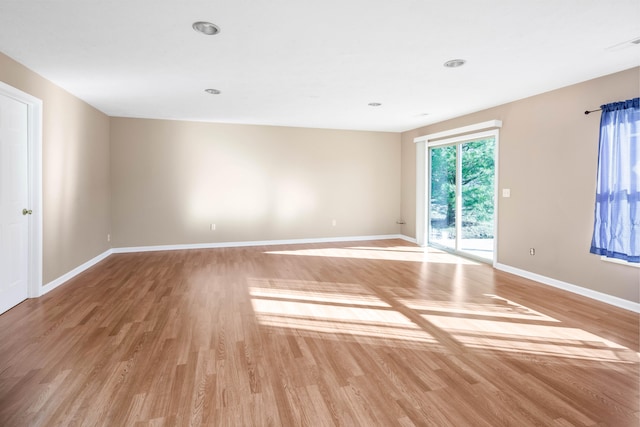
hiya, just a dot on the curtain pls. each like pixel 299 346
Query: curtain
pixel 616 231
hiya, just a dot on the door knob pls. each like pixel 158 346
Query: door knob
pixel 27 211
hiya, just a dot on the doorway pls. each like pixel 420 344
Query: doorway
pixel 20 196
pixel 462 186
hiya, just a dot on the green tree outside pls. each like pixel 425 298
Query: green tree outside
pixel 477 189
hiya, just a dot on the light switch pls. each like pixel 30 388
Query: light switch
pixel 506 192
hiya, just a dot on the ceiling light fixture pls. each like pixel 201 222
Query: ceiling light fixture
pixel 206 28
pixel 213 91
pixel 374 104
pixel 455 63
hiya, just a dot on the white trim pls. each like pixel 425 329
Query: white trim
pixel 422 192
pixel 463 138
pixel 599 296
pixel 408 239
pixel 459 131
pixel 461 254
pixel 620 262
pixel 458 197
pixel 34 149
pixel 252 243
pixel 73 273
pixel 496 194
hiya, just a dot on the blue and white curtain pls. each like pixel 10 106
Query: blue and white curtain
pixel 616 231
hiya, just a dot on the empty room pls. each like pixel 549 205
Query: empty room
pixel 355 213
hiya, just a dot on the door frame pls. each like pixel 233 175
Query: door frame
pixel 423 143
pixel 34 155
pixel 457 142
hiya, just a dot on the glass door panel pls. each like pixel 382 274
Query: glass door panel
pixel 477 198
pixel 442 204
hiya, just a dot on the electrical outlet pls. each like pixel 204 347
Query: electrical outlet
pixel 333 223
pixel 532 251
pixel 212 227
pixel 108 237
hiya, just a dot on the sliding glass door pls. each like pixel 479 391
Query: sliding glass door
pixel 462 197
pixel 442 207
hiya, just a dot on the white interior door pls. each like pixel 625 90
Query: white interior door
pixel 14 198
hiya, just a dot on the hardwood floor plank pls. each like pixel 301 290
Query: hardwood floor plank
pixel 340 334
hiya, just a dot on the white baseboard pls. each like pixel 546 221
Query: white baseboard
pixel 599 296
pixel 255 243
pixel 408 239
pixel 73 273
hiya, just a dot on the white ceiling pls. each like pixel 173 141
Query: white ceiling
pixel 317 63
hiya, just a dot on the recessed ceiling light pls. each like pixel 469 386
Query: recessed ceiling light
pixel 454 63
pixel 374 104
pixel 206 28
pixel 213 91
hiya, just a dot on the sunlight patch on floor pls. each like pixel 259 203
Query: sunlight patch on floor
pixel 507 310
pixel 349 311
pixel 315 310
pixel 330 309
pixel 397 253
pixel 331 329
pixel 351 291
pixel 535 335
pixel 335 293
pixel 569 343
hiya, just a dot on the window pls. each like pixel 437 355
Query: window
pixel 616 231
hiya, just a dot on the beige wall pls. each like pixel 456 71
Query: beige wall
pixel 172 179
pixel 548 158
pixel 75 157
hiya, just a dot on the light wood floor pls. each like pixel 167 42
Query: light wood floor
pixel 353 334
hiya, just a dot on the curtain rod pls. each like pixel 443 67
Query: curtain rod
pixel 592 111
